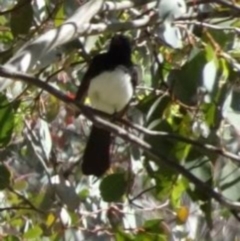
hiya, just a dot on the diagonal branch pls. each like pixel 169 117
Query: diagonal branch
pixel 204 146
pixel 159 158
pixel 33 51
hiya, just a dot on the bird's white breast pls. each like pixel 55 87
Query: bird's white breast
pixel 111 91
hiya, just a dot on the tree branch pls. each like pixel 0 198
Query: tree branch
pixel 204 146
pixel 159 158
pixel 32 52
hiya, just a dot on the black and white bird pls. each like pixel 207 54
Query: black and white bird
pixel 109 82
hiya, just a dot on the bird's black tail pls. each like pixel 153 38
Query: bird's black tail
pixel 96 157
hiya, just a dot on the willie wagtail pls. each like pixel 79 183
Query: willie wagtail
pixel 109 83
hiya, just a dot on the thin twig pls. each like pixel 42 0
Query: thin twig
pixel 25 200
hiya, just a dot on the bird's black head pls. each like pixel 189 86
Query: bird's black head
pixel 120 47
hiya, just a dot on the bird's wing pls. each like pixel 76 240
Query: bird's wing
pixel 92 71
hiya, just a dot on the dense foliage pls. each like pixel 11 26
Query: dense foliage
pixel 175 157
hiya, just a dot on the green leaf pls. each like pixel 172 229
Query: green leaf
pixel 143 236
pixel 154 106
pixel 185 82
pixel 11 238
pixel 160 143
pixel 52 108
pixel 21 18
pixel 17 222
pixel 211 114
pixel 165 178
pixel 153 226
pixel 200 167
pixel 6 121
pixel 4 177
pixel 178 191
pixel 32 233
pixel 121 236
pixel 223 38
pixel 84 194
pixel 235 101
pixel 229 181
pixel 20 185
pixel 60 16
pixel 113 187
